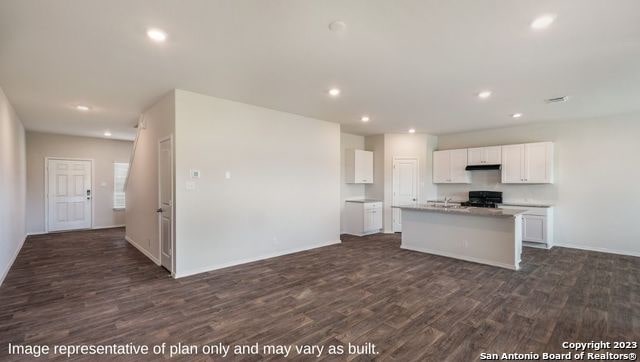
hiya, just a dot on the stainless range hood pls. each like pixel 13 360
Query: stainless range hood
pixel 482 167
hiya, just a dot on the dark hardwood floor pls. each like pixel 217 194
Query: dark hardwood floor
pixel 93 288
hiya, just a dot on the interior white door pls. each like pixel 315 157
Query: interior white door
pixel 165 209
pixel 69 194
pixel 405 187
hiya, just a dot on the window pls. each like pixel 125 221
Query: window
pixel 120 171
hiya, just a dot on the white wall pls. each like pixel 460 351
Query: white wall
pixel 12 185
pixel 284 191
pixel 142 185
pixel 388 147
pixel 596 189
pixel 104 153
pixel 348 191
pixel 375 190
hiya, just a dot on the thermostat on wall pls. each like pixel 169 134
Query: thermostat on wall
pixel 195 173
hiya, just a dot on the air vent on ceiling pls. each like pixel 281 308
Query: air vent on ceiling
pixel 556 99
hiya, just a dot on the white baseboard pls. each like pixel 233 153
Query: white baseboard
pixel 252 259
pixel 93 228
pixel 12 260
pixel 37 233
pixel 107 227
pixel 142 250
pixel 457 256
pixel 527 244
pixel 601 250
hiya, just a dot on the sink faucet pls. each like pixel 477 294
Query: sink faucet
pixel 446 201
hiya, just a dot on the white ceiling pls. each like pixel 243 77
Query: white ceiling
pixel 405 63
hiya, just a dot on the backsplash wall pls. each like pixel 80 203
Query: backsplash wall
pixel 489 180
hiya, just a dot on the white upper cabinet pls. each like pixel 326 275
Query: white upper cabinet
pixel 528 163
pixel 449 166
pixel 484 156
pixel 359 167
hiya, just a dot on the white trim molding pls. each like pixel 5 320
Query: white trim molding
pixel 597 249
pixel 13 259
pixel 251 260
pixel 142 250
pixel 107 227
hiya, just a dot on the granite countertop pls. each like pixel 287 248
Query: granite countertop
pixel 527 204
pixel 364 201
pixel 450 201
pixel 476 211
pixel 506 203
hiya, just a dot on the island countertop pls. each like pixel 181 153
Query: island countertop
pixel 476 211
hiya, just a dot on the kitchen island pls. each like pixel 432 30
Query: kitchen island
pixel 481 235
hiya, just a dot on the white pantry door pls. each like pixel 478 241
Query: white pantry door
pixel 69 194
pixel 165 209
pixel 405 187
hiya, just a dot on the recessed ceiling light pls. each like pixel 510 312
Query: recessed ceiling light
pixel 484 94
pixel 516 115
pixel 542 22
pixel 157 35
pixel 337 26
pixel 412 130
pixel 107 134
pixel 82 108
pixel 365 118
pixel 334 92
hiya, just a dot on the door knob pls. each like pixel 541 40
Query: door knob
pixel 159 210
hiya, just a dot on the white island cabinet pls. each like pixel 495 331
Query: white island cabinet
pixel 486 236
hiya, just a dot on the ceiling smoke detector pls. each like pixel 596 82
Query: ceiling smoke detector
pixel 557 99
pixel 337 26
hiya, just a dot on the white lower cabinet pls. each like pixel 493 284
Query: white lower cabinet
pixel 362 218
pixel 533 229
pixel 537 225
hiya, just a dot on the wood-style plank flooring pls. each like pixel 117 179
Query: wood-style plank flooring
pixel 92 287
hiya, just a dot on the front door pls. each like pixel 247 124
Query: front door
pixel 405 187
pixel 69 194
pixel 165 209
